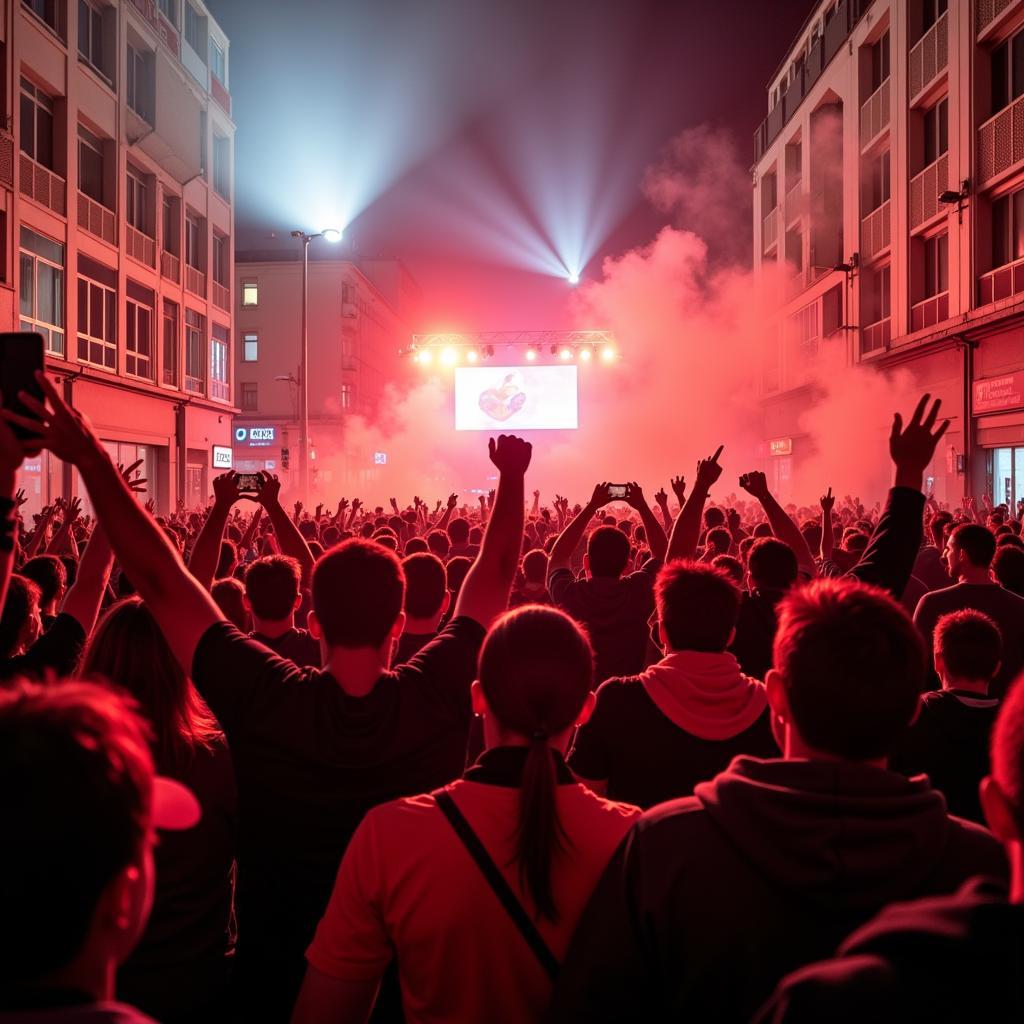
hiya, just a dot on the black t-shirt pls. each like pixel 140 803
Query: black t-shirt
pixel 645 756
pixel 310 760
pixel 755 632
pixel 949 742
pixel 296 645
pixel 58 650
pixel 410 644
pixel 615 612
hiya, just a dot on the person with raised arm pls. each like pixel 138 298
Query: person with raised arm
pixel 314 749
pixel 755 484
pixel 686 532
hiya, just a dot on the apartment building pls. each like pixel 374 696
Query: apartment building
pixel 889 183
pixel 359 316
pixel 116 218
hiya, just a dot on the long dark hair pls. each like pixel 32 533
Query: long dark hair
pixel 128 649
pixel 536 669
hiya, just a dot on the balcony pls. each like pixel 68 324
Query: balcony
pixel 770 229
pixel 41 184
pixel 989 10
pixel 930 312
pixel 195 281
pixel 170 266
pixel 874 114
pixel 140 246
pixel 1001 142
pixel 876 337
pixel 6 159
pixel 794 203
pixel 97 219
pixel 924 191
pixel 195 384
pixel 1001 283
pixel 220 94
pixel 928 58
pixel 221 296
pixel 876 231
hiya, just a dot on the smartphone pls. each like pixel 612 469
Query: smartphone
pixel 617 490
pixel 21 354
pixel 250 482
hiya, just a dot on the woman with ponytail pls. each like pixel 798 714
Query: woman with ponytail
pixel 476 888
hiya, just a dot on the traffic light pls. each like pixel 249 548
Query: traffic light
pixel 284 458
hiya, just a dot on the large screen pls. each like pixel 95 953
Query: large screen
pixel 515 397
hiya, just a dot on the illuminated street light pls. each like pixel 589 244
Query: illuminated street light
pixel 331 235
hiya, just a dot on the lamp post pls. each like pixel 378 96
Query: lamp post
pixel 332 235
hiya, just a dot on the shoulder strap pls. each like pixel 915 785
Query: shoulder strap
pixel 496 880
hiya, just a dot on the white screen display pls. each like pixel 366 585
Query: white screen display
pixel 503 398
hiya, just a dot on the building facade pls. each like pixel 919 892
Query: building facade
pixel 116 208
pixel 889 184
pixel 359 316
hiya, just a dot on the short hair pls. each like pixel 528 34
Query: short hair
pixel 854 540
pixel 937 527
pixel 308 529
pixel 1007 748
pixel 772 564
pixel 386 539
pixel 228 594
pixel 426 583
pixel 853 665
pixel 457 568
pixel 698 606
pixel 330 535
pixel 720 539
pixel 76 789
pixel 458 530
pixel 476 535
pixel 607 552
pixel 1008 568
pixel 439 544
pixel 732 567
pixel 358 593
pixel 970 644
pixel 763 530
pixel 1009 540
pixel 976 542
pixel 272 587
pixel 49 573
pixel 535 566
pixel 22 598
pixel 713 516
pixel 414 545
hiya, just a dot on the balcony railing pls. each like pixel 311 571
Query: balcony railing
pixel 7 159
pixel 97 219
pixel 770 229
pixel 874 114
pixel 794 203
pixel 1001 142
pixel 195 384
pixel 876 336
pixel 989 10
pixel 170 266
pixel 1001 283
pixel 924 191
pixel 930 312
pixel 195 281
pixel 140 246
pixel 41 184
pixel 221 296
pixel 928 57
pixel 876 231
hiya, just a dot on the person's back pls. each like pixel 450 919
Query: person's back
pixel 533 588
pixel 272 597
pixel 768 865
pixel 427 599
pixel 949 738
pixel 656 735
pixel 408 887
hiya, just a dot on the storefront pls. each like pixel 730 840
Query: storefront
pixel 998 405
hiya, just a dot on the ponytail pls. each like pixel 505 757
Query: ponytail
pixel 540 834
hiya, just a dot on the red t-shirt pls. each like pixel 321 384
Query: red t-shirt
pixel 408 887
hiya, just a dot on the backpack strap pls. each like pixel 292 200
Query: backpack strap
pixel 496 880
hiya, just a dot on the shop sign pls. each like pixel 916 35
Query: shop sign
pixel 996 393
pixel 781 446
pixel 256 437
pixel 222 457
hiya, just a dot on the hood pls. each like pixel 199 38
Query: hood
pixel 705 694
pixel 848 836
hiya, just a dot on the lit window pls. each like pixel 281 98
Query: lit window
pixel 250 293
pixel 250 348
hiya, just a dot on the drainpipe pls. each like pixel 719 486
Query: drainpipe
pixel 968 348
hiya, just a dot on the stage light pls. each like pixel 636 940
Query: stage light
pixel 331 235
pixel 608 353
pixel 573 279
pixel 471 356
pixel 449 356
pixel 426 357
pixel 585 355
pixel 531 354
pixel 565 353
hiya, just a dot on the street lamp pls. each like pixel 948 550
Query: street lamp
pixel 331 235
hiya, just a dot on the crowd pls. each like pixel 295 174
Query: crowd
pixel 714 760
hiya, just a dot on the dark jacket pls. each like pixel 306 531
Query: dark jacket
pixel 711 899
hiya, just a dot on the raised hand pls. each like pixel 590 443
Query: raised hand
pixel 74 510
pixel 708 470
pixel 19 495
pixel 913 446
pixel 827 502
pixel 510 454
pixel 270 491
pixel 453 500
pixel 394 504
pixel 755 484
pixel 678 485
pixel 225 488
pixel 732 519
pixel 151 506
pixel 635 495
pixel 536 495
pixel 319 512
pixel 356 504
pixel 342 505
pixel 661 497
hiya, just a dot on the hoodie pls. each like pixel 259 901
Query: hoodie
pixel 712 899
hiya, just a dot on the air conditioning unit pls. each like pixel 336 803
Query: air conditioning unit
pixel 349 309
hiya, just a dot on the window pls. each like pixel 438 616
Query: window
pixel 936 266
pixel 251 293
pixel 1007 476
pixel 219 348
pixel 169 9
pixel 90 164
pixel 138 331
pixel 250 348
pixel 202 143
pixel 936 139
pixel 221 258
pixel 795 250
pixel 879 61
pixel 195 230
pixel 769 194
pixel 1008 229
pixel 195 351
pixel 195 30
pixel 931 11
pixel 879 181
pixel 50 12
pixel 878 295
pixel 36 124
pixel 805 328
pixel 172 224
pixel 1007 67
pixel 170 342
pixel 139 84
pixel 347 391
pixel 249 402
pixel 90 37
pixel 794 163
pixel 218 62
pixel 222 166
pixel 41 299
pixel 137 198
pixel 97 314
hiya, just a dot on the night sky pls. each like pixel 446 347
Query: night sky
pixel 471 137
